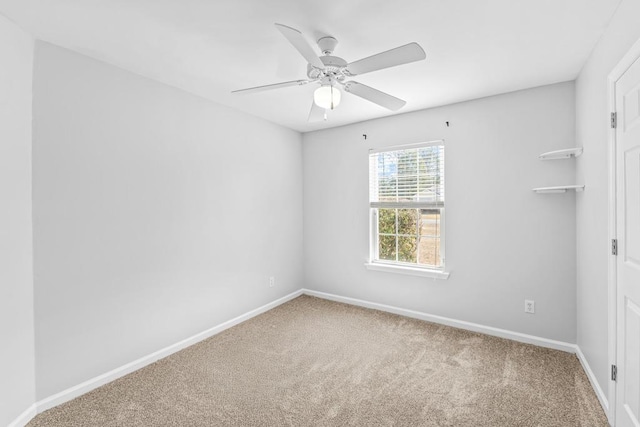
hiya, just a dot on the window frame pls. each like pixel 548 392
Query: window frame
pixel 377 264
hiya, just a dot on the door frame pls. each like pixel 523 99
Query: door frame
pixel 618 71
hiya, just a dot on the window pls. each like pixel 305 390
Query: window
pixel 406 200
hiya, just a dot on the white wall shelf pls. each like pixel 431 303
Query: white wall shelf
pixel 559 189
pixel 567 153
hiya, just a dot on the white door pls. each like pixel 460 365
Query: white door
pixel 627 92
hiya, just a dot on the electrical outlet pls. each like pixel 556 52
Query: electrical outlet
pixel 272 281
pixel 529 306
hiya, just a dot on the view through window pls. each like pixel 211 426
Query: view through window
pixel 406 197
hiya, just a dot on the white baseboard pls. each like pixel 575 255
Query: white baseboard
pixel 594 383
pixel 489 330
pixel 93 383
pixel 25 417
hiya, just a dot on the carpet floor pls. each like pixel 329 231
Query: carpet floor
pixel 312 362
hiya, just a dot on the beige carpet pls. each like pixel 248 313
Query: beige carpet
pixel 313 362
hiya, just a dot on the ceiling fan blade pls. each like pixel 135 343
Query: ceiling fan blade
pixel 317 114
pixel 401 55
pixel 298 41
pixel 273 86
pixel 370 94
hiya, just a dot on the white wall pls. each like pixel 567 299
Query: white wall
pixel 157 215
pixel 505 244
pixel 16 275
pixel 592 127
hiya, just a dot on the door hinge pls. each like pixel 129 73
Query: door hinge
pixel 614 246
pixel 614 120
pixel 614 373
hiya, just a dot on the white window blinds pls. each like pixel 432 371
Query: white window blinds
pixel 412 176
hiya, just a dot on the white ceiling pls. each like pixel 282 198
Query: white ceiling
pixel 474 48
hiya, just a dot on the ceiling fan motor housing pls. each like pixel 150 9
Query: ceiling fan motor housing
pixel 333 66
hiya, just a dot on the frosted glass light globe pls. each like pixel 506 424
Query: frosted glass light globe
pixel 327 97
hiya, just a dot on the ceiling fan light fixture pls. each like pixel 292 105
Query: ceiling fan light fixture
pixel 327 97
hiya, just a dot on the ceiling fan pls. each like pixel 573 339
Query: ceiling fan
pixel 331 72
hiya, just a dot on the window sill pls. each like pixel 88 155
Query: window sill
pixel 423 272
